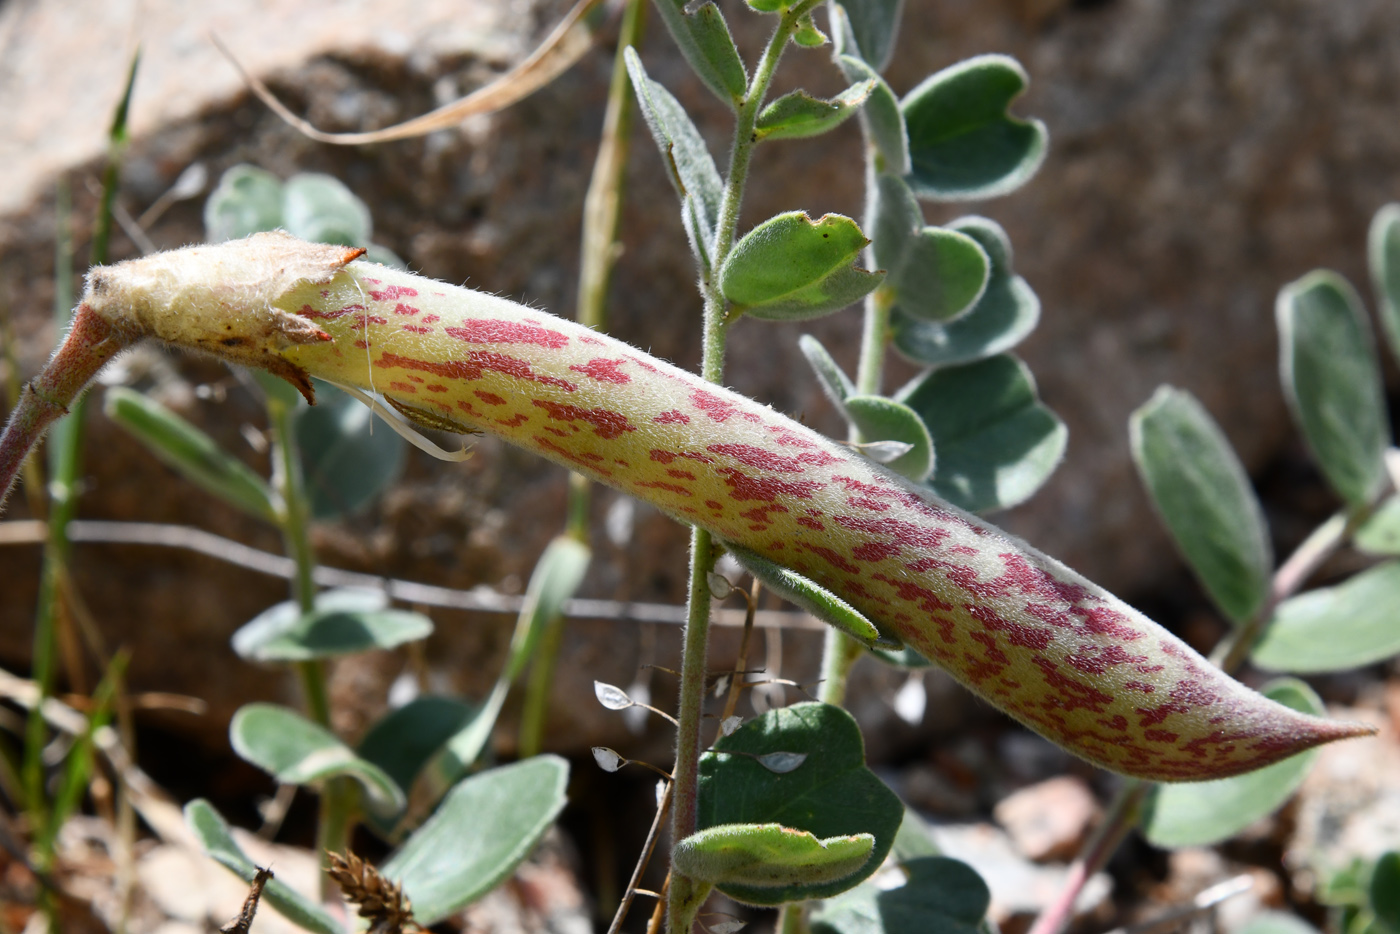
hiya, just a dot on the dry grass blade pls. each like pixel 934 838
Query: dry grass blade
pixel 244 921
pixel 381 902
pixel 559 51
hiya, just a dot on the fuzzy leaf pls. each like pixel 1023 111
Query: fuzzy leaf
pixel 834 381
pixel 484 828
pixel 704 40
pixel 1335 628
pixel 1383 253
pixel 1005 315
pixel 799 115
pixel 996 443
pixel 941 896
pixel 809 595
pixel 192 453
pixel 1203 813
pixel 688 160
pixel 882 119
pixel 896 223
pixel 1380 534
pixel 874 24
pixel 943 275
pixel 296 751
pixel 247 200
pixel 832 794
pixel 963 145
pixel 403 741
pixel 791 267
pixel 214 835
pixel 1332 380
pixel 878 418
pixel 769 856
pixel 346 462
pixel 1203 495
pixel 319 208
pixel 344 622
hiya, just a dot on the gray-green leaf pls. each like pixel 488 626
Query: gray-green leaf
pixel 798 115
pixel 996 442
pixel 879 418
pixel 343 623
pixel 248 200
pixel 941 896
pixel 834 381
pixel 405 739
pixel 963 145
pixel 943 275
pixel 191 452
pixel 1203 495
pixel 811 596
pixel 345 461
pixel 769 856
pixel 484 828
pixel 1332 381
pixel 296 751
pixel 319 208
pixel 1384 255
pixel 874 24
pixel 216 838
pixel 881 117
pixel 1335 628
pixel 704 39
pixel 1202 813
pixel 1380 533
pixel 791 267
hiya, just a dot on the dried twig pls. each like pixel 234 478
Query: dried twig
pixel 244 921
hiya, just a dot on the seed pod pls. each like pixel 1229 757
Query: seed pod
pixel 1029 635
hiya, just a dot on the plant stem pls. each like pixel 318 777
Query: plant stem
pixel 685 895
pixel 1230 655
pixel 792 919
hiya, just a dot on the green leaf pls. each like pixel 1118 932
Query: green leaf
pixel 769 856
pixel 1380 533
pixel 343 623
pixel 881 117
pixel 878 418
pixel 1005 315
pixel 191 453
pixel 321 209
pixel 1203 495
pixel 996 443
pixel 216 838
pixel 943 275
pixel 404 740
pixel 704 39
pixel 915 838
pixel 766 6
pixel 688 160
pixel 809 595
pixel 791 267
pixel 1335 628
pixel 941 896
pixel 1202 813
pixel 874 24
pixel 1384 255
pixel 901 658
pixel 1278 922
pixel 832 794
pixel 1332 381
pixel 1385 890
pixel 807 34
pixel 296 751
pixel 895 222
pixel 799 115
pixel 346 462
pixel 834 381
pixel 377 253
pixel 963 145
pixel 248 200
pixel 485 827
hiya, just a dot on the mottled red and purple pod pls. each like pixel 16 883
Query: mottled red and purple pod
pixel 1029 635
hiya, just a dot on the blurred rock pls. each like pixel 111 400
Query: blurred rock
pixel 1049 820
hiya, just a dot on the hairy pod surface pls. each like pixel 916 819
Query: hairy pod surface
pixel 1029 635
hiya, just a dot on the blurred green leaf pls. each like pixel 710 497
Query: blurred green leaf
pixel 216 838
pixel 963 145
pixel 296 751
pixel 704 39
pixel 799 115
pixel 807 594
pixel 281 617
pixel 1203 495
pixel 896 222
pixel 874 25
pixel 344 622
pixel 1005 315
pixel 404 740
pixel 834 381
pixel 376 253
pixel 879 418
pixel 484 828
pixel 248 200
pixel 1335 628
pixel 915 838
pixel 769 856
pixel 901 658
pixel 996 443
pixel 941 896
pixel 1385 890
pixel 1380 533
pixel 1383 254
pixel 943 275
pixel 191 453
pixel 881 116
pixel 1278 922
pixel 832 794
pixel 1332 381
pixel 319 208
pixel 688 160
pixel 346 462
pixel 793 267
pixel 1202 813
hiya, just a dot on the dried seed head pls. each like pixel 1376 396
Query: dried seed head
pixel 380 901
